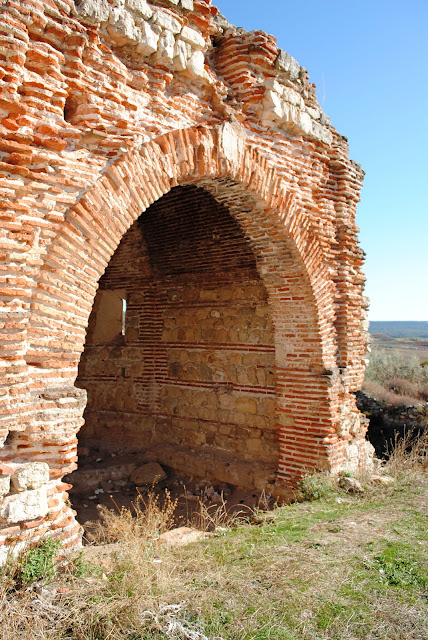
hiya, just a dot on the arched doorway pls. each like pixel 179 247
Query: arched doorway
pixel 179 360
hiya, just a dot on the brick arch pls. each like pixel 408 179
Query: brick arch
pixel 289 258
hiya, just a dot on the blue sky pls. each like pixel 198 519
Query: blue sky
pixel 369 60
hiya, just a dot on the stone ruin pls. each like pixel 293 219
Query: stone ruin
pixel 180 269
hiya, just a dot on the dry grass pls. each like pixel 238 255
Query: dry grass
pixel 149 517
pixel 396 380
pixel 408 456
pixel 342 567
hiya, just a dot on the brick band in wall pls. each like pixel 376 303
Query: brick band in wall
pixel 106 123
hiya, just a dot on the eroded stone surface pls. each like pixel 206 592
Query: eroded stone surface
pixel 4 485
pixel 27 505
pixel 31 476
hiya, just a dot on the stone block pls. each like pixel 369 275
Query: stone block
pixel 293 97
pixel 122 28
pixel 167 21
pixel 30 476
pixel 196 64
pixel 384 480
pixel 288 65
pixel 150 473
pixel 351 485
pixel 182 536
pixel 28 505
pixel 187 4
pixel 321 133
pixel 4 485
pixel 140 7
pixel 275 106
pixel 94 11
pixel 246 405
pixel 305 123
pixel 166 44
pixel 192 37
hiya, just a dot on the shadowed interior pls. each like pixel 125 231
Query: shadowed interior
pixel 179 356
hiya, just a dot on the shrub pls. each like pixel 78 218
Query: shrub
pixel 396 380
pixel 381 394
pixel 315 486
pixel 384 366
pixel 408 456
pixel 36 562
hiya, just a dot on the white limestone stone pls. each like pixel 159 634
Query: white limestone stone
pixel 122 28
pixel 166 44
pixel 274 105
pixel 187 4
pixel 321 133
pixel 140 7
pixel 94 11
pixel 4 485
pixel 192 37
pixel 293 97
pixel 148 43
pixel 305 122
pixel 150 473
pixel 182 53
pixel 314 113
pixel 27 505
pixel 166 21
pixel 31 476
pixel 288 65
pixel 196 64
pixel 274 85
pixel 232 137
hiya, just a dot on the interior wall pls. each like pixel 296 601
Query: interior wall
pixel 190 380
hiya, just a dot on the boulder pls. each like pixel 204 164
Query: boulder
pixel 181 536
pixel 385 480
pixel 150 473
pixel 351 485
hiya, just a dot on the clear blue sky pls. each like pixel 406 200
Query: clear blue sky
pixel 369 60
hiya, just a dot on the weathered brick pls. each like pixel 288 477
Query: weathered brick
pixel 241 302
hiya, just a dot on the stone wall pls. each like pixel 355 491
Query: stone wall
pixel 193 374
pixel 106 107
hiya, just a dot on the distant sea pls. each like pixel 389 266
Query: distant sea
pixel 397 329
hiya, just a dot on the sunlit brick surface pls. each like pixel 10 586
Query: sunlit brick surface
pixel 153 150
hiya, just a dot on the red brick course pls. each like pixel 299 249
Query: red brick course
pixel 98 123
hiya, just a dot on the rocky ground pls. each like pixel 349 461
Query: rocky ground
pixel 116 481
pixel 388 422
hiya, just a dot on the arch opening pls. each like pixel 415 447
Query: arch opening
pixel 179 359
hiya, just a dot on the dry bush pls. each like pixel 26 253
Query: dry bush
pixel 395 380
pixel 403 387
pixel 384 366
pixel 381 394
pixel 408 456
pixel 423 391
pixel 215 516
pixel 134 598
pixel 149 517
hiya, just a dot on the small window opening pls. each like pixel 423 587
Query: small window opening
pixel 123 316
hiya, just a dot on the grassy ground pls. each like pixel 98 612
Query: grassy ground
pixel 342 567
